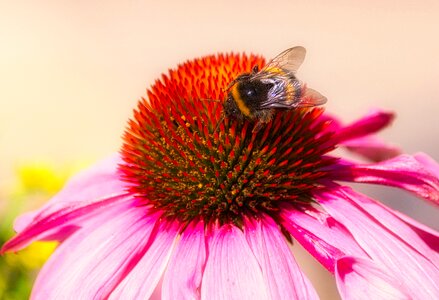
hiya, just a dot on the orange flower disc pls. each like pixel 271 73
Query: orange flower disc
pixel 178 164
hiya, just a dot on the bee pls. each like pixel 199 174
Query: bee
pixel 258 94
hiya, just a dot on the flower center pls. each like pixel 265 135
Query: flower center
pixel 180 163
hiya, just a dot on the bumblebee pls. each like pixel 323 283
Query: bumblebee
pixel 256 95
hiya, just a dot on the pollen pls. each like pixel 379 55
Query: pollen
pixel 185 160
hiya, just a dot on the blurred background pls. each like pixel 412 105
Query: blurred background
pixel 72 71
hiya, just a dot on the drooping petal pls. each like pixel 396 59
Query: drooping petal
pixel 371 123
pixel 372 148
pixel 100 181
pixel 86 195
pixel 403 172
pixel 284 278
pixel 359 278
pixel 417 273
pixel 428 235
pixel 324 237
pixel 359 137
pixel 182 279
pixel 144 277
pixel 390 220
pixel 59 224
pixel 232 271
pixel 90 263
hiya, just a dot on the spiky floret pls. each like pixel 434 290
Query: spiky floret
pixel 177 163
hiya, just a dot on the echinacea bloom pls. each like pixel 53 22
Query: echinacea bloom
pixel 188 211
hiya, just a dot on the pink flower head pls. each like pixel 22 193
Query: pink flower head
pixel 197 206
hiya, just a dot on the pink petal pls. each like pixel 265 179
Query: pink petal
pixel 89 193
pixel 22 221
pixel 391 221
pixel 232 271
pixel 92 262
pixel 101 181
pixel 144 277
pixel 358 137
pixel 359 278
pixel 284 278
pixel 429 163
pixel 324 238
pixel 428 235
pixel 404 172
pixel 183 276
pixel 369 124
pixel 333 121
pixel 418 275
pixel 60 224
pixel 372 148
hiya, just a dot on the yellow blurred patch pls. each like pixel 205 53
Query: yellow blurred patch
pixel 32 257
pixel 41 177
pixel 36 183
pixel 44 176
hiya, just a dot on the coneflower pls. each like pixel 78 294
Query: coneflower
pixel 197 206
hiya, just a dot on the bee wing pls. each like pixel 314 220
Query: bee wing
pixel 290 59
pixel 309 98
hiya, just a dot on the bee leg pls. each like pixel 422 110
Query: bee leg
pixel 257 126
pixel 218 124
pixel 263 117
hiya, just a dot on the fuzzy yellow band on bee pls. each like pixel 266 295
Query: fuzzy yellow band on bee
pixel 241 104
pixel 290 89
pixel 275 70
